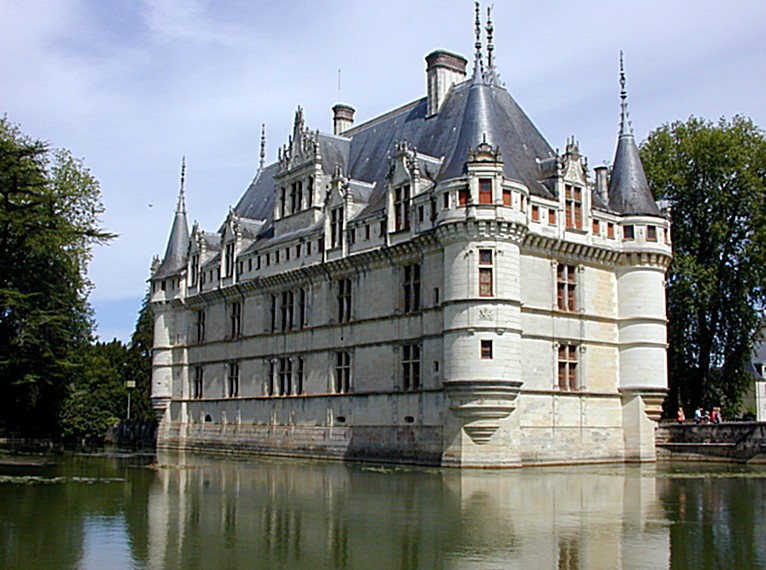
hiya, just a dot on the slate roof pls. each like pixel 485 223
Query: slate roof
pixel 177 250
pixel 472 111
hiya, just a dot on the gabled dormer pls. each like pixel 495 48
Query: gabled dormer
pixel 484 169
pixel 336 214
pixel 299 179
pixel 574 192
pixel 403 182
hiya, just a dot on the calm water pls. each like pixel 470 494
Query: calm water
pixel 195 512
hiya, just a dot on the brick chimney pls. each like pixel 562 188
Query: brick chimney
pixel 342 118
pixel 443 70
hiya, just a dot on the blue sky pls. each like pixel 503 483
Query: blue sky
pixel 132 86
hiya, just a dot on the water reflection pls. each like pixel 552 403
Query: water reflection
pixel 200 512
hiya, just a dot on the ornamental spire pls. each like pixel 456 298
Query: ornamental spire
pixel 263 147
pixel 626 129
pixel 491 75
pixel 181 207
pixel 478 64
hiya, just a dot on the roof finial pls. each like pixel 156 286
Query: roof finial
pixel 181 195
pixel 478 65
pixel 490 47
pixel 625 127
pixel 263 146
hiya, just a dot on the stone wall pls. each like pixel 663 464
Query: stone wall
pixel 730 441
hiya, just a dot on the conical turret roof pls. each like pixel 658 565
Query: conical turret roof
pixel 177 250
pixel 629 191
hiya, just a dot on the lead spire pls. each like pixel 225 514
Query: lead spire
pixel 626 129
pixel 263 147
pixel 181 207
pixel 478 64
pixel 491 75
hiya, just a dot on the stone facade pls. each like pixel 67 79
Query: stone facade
pixel 434 286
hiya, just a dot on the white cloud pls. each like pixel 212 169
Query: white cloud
pixel 132 87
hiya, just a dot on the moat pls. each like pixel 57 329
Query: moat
pixel 113 510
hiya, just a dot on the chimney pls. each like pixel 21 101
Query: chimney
pixel 443 70
pixel 601 183
pixel 342 118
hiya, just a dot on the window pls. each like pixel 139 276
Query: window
pixel 282 202
pixel 573 206
pixel 535 213
pixel 485 273
pixel 198 382
pixel 194 273
pixel 232 383
pixel 421 214
pixel 410 367
pixel 296 191
pixel 301 321
pixel 286 310
pixel 336 226
pixel 567 367
pixel 445 200
pixel 285 380
pixel 287 254
pixel 200 326
pixel 596 228
pixel 610 230
pixel 651 233
pixel 628 233
pixel 486 350
pixel 411 288
pixel 402 208
pixel 551 216
pixel 344 300
pixel 270 381
pixel 566 281
pixel 342 372
pixel 367 231
pixel 382 231
pixel 235 316
pixel 308 247
pixel 299 376
pixel 436 296
pixel 298 251
pixel 462 196
pixel 310 192
pixel 507 198
pixel 352 236
pixel 273 313
pixel 485 190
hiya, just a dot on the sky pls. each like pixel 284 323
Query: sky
pixel 132 86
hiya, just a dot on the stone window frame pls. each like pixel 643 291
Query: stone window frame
pixel 402 207
pixel 411 287
pixel 568 367
pixel 567 282
pixel 232 380
pixel 411 366
pixel 342 373
pixel 486 273
pixel 198 383
pixel 573 206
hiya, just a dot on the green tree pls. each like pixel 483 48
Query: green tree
pixel 49 220
pixel 96 399
pixel 138 364
pixel 714 177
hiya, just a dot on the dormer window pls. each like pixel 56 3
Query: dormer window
pixel 485 190
pixel 402 207
pixel 296 195
pixel 310 192
pixel 194 270
pixel 573 205
pixel 336 226
pixel 229 259
pixel 282 202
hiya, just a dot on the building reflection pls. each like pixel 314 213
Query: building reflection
pixel 207 512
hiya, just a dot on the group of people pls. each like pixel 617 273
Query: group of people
pixel 702 416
